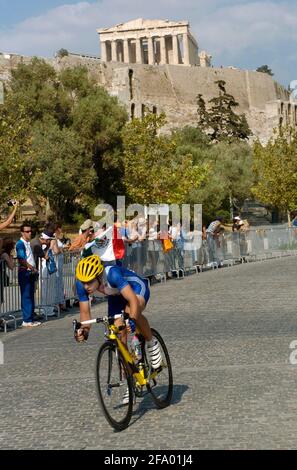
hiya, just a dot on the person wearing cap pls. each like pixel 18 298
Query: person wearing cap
pixel 235 224
pixel 41 247
pixel 108 244
pixel 85 236
pixel 27 273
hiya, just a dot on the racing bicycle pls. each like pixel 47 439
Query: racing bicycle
pixel 120 373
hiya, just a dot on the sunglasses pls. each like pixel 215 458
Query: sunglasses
pixel 27 231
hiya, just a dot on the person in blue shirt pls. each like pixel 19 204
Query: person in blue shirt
pixel 125 290
pixel 26 276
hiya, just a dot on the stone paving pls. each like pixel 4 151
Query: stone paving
pixel 228 332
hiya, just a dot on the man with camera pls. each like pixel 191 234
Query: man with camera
pixel 7 222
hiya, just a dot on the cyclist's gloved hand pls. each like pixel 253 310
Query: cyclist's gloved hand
pixel 82 334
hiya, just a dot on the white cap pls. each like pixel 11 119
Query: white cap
pixel 47 236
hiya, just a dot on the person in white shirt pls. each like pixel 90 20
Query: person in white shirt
pixel 27 273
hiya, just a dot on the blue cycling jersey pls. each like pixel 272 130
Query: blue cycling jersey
pixel 118 278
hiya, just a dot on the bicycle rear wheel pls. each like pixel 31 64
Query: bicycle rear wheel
pixel 160 381
pixel 113 383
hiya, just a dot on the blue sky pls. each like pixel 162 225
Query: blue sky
pixel 241 33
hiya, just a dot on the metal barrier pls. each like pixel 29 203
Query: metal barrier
pixel 148 259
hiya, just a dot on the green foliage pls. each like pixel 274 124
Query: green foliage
pixel 62 169
pixel 154 172
pixel 71 153
pixel 62 53
pixel 265 69
pixel 275 166
pixel 230 171
pixel 220 122
pixel 15 153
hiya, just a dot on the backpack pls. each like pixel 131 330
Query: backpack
pixel 50 262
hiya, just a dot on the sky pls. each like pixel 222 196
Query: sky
pixel 240 33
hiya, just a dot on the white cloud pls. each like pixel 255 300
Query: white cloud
pixel 254 24
pixel 240 31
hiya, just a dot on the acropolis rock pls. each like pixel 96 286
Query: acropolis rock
pixel 156 65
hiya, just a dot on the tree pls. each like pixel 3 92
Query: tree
pixel 230 175
pixel 36 87
pixel 265 69
pixel 99 120
pixel 62 53
pixel 275 167
pixel 15 152
pixel 63 170
pixel 220 122
pixel 154 173
pixel 66 111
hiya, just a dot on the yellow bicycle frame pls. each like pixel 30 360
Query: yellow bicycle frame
pixel 137 372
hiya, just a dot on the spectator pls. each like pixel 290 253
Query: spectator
pixel 6 260
pixel 242 230
pixel 40 247
pixel 235 225
pixel 107 244
pixel 8 221
pixel 6 252
pixel 26 276
pixel 57 247
pixel 204 251
pixel 294 224
pixel 212 233
pixel 84 237
pixel 154 247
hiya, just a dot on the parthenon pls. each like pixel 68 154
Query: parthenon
pixel 151 42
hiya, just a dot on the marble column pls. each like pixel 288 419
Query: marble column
pixel 162 50
pixel 103 51
pixel 126 58
pixel 175 54
pixel 138 51
pixel 151 55
pixel 186 49
pixel 114 51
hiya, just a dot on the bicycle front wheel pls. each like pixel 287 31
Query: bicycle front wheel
pixel 114 386
pixel 161 380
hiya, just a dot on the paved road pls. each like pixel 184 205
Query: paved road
pixel 228 332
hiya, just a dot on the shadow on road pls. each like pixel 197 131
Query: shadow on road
pixel 146 403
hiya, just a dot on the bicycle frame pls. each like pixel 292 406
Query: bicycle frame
pixel 112 332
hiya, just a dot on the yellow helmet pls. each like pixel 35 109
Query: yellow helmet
pixel 89 268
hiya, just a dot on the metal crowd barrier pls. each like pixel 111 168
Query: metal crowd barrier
pixel 50 290
pixel 147 258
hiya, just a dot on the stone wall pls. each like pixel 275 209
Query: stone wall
pixel 173 90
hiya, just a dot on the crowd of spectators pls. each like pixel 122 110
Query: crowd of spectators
pixel 143 242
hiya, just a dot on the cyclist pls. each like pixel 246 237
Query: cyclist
pixel 125 290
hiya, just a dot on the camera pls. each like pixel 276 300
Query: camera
pixel 11 202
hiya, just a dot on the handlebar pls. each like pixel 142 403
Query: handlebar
pixel 77 325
